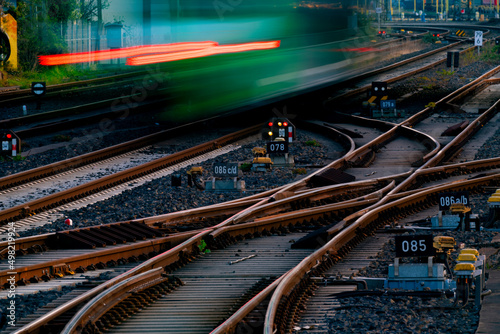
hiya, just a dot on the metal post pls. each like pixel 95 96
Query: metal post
pixel 479 289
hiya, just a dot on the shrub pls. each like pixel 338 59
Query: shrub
pixel 312 142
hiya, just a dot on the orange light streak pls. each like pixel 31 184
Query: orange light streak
pixel 159 58
pixel 83 57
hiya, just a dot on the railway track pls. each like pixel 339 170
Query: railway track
pixel 358 225
pixel 63 197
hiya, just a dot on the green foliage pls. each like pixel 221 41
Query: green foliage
pixel 468 57
pixel 42 26
pixel 490 53
pixel 428 38
pixel 312 142
pixel 246 167
pixel 18 158
pixel 300 171
pixel 61 138
pixel 202 246
pixel 445 72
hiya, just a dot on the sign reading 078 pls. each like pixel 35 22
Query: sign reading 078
pixel 275 147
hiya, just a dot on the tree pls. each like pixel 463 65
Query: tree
pixel 42 25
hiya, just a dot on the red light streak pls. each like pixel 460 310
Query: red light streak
pixel 160 58
pixel 150 54
pixel 83 57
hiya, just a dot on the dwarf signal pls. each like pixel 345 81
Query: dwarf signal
pixel 10 144
pixel 279 128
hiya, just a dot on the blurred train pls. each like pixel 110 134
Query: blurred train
pixel 320 42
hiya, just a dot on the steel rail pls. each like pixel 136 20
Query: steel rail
pixel 364 89
pixel 115 253
pixel 91 187
pixel 355 229
pixel 94 307
pixel 31 97
pixel 454 144
pixel 77 110
pixel 414 119
pixel 230 324
pixel 107 299
pixel 88 158
pixel 351 228
pixel 75 83
pixel 283 191
pixel 173 255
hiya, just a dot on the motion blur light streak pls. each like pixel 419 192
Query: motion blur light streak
pixel 365 49
pixel 159 58
pixel 161 53
pixel 83 57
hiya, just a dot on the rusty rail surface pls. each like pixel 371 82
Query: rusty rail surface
pixel 88 158
pixel 356 227
pixel 92 187
pixel 106 300
pixel 352 233
pixel 182 252
pixel 341 240
pixel 107 255
pixel 365 89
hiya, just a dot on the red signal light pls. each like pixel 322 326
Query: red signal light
pixel 285 124
pixel 270 124
pixel 9 136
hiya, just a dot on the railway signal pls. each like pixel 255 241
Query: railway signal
pixel 38 89
pixel 11 144
pixel 279 127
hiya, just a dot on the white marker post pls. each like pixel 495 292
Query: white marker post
pixel 478 40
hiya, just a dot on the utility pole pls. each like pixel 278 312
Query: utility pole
pixel 99 25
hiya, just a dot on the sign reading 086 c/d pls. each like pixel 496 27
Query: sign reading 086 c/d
pixel 225 169
pixel 414 245
pixel 276 147
pixel 447 199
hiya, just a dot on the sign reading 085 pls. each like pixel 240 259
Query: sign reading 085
pixel 414 245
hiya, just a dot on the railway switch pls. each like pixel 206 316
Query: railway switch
pixel 261 162
pixel 470 275
pixel 494 205
pixel 432 269
pixel 194 177
pixel 11 144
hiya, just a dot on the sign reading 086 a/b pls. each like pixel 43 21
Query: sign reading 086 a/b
pixel 447 199
pixel 225 169
pixel 276 147
pixel 414 245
